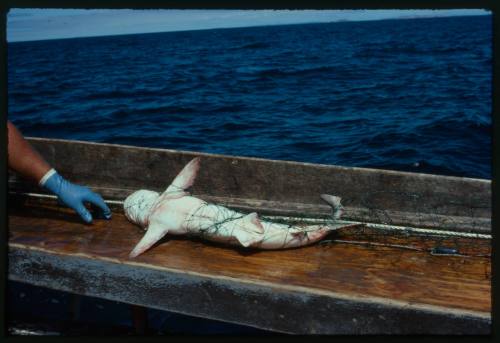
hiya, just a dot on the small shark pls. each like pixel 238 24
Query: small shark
pixel 178 213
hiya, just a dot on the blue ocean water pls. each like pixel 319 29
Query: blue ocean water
pixel 412 95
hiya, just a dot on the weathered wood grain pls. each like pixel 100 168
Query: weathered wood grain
pixel 266 207
pixel 278 187
pixel 260 305
pixel 324 288
pixel 356 281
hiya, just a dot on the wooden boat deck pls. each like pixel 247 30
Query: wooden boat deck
pixel 353 283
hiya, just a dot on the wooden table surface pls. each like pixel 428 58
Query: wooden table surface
pixel 385 275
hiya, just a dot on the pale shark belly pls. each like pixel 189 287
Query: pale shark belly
pixel 281 236
pixel 177 213
pixel 215 223
pixel 219 224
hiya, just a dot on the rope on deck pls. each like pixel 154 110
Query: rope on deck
pixel 347 222
pixel 388 227
pixel 371 225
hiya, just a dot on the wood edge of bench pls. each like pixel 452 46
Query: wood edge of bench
pixel 286 288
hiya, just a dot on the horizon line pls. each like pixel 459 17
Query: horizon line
pixel 338 21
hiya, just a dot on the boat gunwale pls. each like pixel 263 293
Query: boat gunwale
pixel 260 159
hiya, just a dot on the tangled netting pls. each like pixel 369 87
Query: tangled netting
pixel 381 230
pixel 210 220
pixel 432 241
pixel 469 212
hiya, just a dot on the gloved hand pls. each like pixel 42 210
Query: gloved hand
pixel 73 195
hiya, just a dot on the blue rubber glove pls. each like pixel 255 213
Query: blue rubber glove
pixel 73 195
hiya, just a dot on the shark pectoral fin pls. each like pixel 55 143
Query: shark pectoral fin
pixel 254 221
pixel 334 202
pixel 153 234
pixel 185 178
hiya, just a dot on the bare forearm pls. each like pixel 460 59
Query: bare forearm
pixel 23 158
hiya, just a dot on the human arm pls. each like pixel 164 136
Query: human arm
pixel 25 160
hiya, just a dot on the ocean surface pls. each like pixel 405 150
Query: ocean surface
pixel 412 95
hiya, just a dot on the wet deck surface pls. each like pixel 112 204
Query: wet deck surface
pixel 353 270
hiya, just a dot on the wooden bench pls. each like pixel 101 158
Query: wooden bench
pixel 373 278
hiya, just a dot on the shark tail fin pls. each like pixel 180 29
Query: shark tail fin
pixel 334 202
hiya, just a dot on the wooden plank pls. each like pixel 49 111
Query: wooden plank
pixel 279 186
pixel 266 207
pixel 263 306
pixel 325 288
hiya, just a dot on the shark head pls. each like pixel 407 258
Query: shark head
pixel 138 206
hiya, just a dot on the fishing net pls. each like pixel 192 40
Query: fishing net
pixel 434 241
pixel 217 222
pixel 430 233
pixel 382 230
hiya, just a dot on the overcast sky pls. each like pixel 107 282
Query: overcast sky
pixel 39 24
